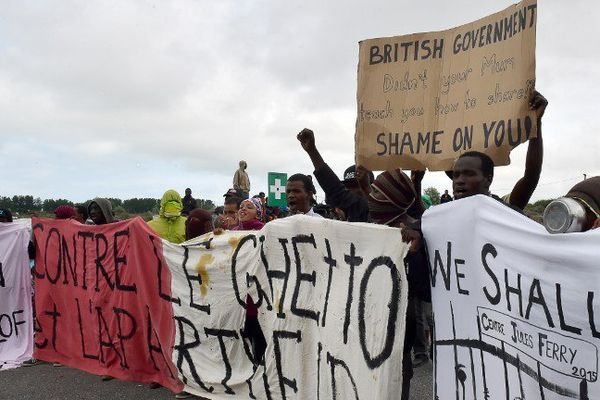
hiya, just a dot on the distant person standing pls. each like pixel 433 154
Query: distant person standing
pixel 445 198
pixel 241 181
pixel 189 203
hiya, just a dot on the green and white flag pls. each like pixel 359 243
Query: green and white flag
pixel 277 182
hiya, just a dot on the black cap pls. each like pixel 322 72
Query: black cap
pixel 350 174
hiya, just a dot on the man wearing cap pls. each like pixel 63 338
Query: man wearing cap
pixel 346 195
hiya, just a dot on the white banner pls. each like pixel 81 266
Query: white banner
pixel 331 300
pixel 517 314
pixel 16 322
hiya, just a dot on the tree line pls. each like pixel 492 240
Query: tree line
pixel 26 204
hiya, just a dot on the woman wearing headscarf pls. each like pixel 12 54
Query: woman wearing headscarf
pixel 250 219
pixel 393 201
pixel 64 212
pixel 250 215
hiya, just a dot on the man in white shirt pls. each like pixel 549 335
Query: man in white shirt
pixel 300 192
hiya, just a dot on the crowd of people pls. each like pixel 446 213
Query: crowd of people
pixel 393 198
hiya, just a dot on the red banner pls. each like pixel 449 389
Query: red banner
pixel 102 300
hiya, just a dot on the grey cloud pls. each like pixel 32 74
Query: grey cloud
pixel 180 91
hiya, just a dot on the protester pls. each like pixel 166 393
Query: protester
pixel 198 223
pixel 81 214
pixel 346 196
pixel 587 192
pixel 394 202
pixel 229 218
pixel 577 211
pixel 473 174
pixel 250 219
pixel 170 225
pixel 300 192
pixel 189 203
pixel 250 215
pixel 364 178
pixel 445 198
pixel 64 212
pixel 272 213
pixel 524 188
pixel 241 181
pixel 100 211
pixel 5 215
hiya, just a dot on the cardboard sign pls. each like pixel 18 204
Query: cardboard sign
pixel 424 99
pixel 517 314
pixel 16 322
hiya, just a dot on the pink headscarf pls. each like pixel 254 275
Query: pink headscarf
pixel 64 212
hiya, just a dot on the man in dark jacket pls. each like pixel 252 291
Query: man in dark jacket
pixel 189 203
pixel 346 195
pixel 445 197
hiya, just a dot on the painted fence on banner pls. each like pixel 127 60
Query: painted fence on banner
pixel 516 309
pixel 16 322
pixel 331 298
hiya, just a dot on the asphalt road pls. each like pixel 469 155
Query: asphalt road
pixel 44 382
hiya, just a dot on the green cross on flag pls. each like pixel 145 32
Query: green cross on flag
pixel 277 182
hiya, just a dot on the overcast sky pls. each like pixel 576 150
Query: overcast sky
pixel 131 98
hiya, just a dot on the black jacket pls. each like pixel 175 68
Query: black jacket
pixel 355 206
